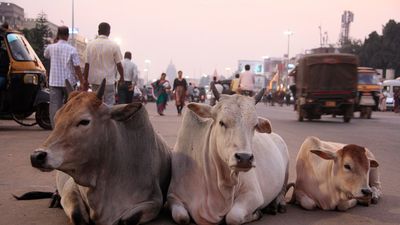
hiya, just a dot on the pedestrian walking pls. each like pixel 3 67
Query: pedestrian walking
pixel 64 65
pixel 161 88
pixel 219 88
pixel 396 99
pixel 191 92
pixel 246 82
pixel 235 84
pixel 382 101
pixel 180 88
pixel 126 88
pixel 103 59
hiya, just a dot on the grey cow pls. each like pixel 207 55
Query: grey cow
pixel 113 168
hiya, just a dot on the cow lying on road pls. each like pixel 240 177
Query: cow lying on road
pixel 226 164
pixel 113 168
pixel 335 176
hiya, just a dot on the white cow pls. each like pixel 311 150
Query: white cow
pixel 226 164
pixel 335 176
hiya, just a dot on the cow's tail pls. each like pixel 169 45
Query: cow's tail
pixel 33 195
pixel 293 198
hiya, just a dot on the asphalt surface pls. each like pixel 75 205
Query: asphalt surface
pixel 380 134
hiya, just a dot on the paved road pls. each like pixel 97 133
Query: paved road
pixel 380 134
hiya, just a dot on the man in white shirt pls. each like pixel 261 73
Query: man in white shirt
pixel 103 58
pixel 125 89
pixel 64 65
pixel 246 82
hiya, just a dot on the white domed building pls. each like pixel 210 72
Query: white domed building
pixel 171 72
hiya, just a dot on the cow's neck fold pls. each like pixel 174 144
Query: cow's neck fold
pixel 222 181
pixel 118 168
pixel 329 193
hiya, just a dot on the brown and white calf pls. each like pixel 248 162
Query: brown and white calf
pixel 335 176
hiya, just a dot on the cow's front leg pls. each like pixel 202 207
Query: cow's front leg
pixel 141 213
pixel 347 204
pixel 305 201
pixel 245 209
pixel 178 211
pixel 73 205
pixel 375 184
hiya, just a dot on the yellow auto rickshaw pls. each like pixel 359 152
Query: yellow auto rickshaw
pixel 22 81
pixel 368 91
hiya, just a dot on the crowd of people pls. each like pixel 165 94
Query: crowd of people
pixel 103 59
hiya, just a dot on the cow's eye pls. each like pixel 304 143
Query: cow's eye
pixel 83 123
pixel 347 167
pixel 222 124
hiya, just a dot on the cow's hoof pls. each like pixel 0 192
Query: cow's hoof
pixel 282 208
pixel 374 200
pixel 270 210
pixel 258 214
pixel 180 215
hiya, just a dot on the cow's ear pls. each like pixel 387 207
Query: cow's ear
pixel 263 126
pixel 201 110
pixel 124 112
pixel 373 163
pixel 325 154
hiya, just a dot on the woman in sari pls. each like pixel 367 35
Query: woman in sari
pixel 161 87
pixel 180 87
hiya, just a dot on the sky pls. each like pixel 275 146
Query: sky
pixel 199 36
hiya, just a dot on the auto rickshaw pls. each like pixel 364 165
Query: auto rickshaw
pixel 368 91
pixel 326 84
pixel 22 81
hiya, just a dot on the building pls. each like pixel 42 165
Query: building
pixel 273 65
pixel 256 66
pixel 12 14
pixel 80 43
pixel 171 72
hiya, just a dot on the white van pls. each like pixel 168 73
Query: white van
pixel 388 89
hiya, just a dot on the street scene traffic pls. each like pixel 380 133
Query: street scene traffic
pixel 95 130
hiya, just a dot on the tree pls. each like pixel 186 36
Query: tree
pixel 39 36
pixel 351 46
pixel 382 51
pixel 391 46
pixel 371 52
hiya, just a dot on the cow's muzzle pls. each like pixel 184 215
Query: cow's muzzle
pixel 244 161
pixel 38 159
pixel 365 197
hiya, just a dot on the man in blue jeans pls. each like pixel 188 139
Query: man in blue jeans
pixel 64 65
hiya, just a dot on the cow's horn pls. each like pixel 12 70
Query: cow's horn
pixel 214 90
pixel 68 87
pixel 100 91
pixel 259 95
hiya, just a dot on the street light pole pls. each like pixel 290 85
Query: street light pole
pixel 288 33
pixel 147 62
pixel 72 28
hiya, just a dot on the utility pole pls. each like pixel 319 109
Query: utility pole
pixel 72 28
